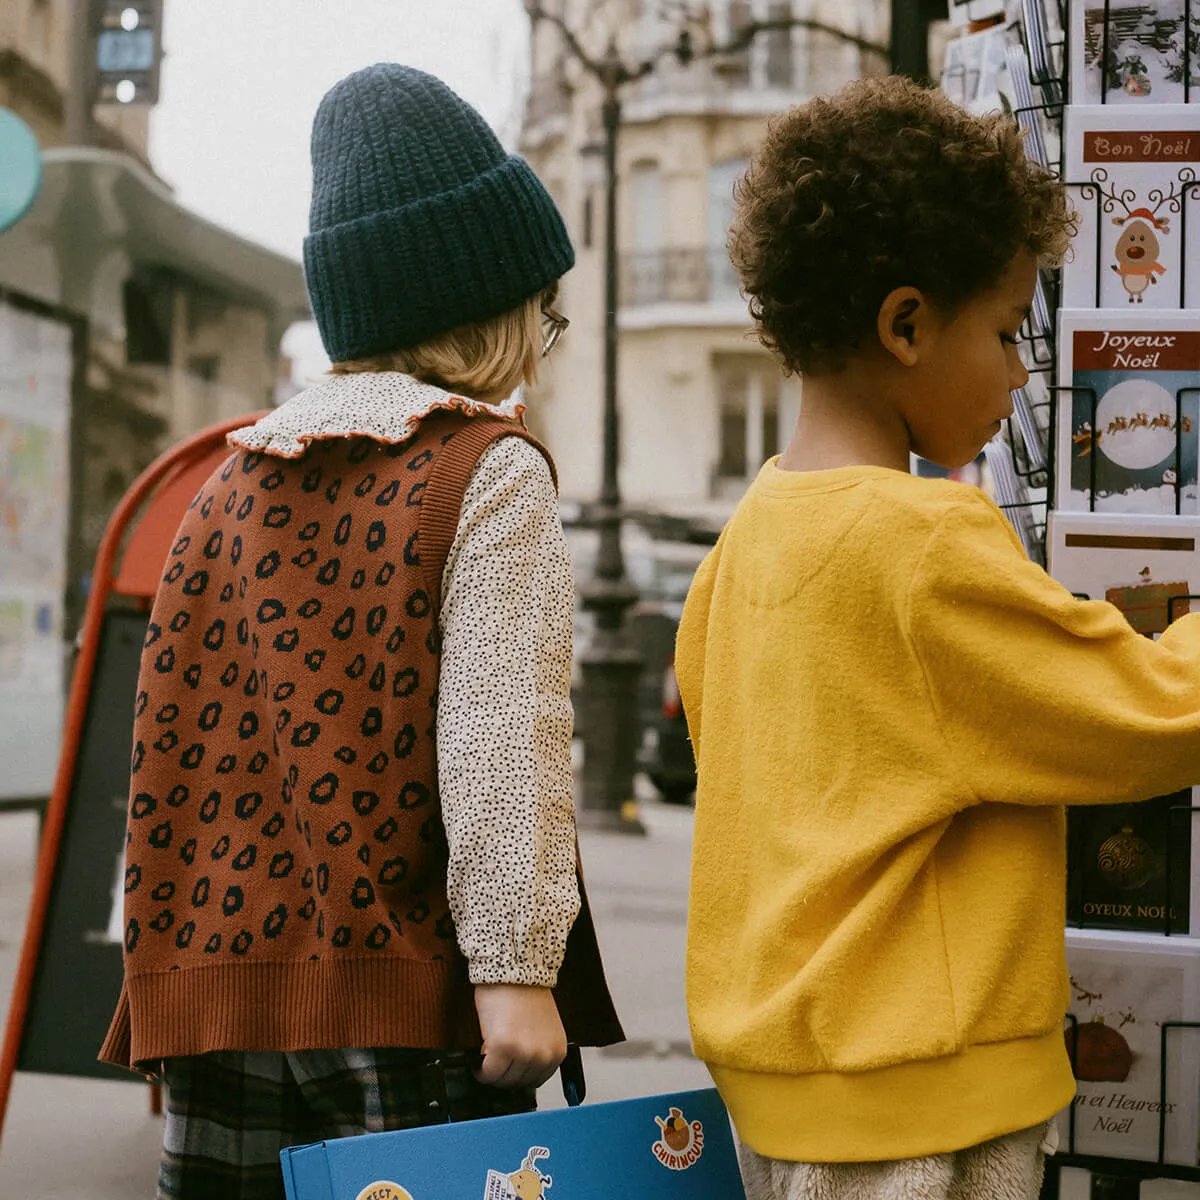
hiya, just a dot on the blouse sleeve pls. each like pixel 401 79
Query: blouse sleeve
pixel 505 722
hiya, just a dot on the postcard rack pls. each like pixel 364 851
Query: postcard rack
pixel 1024 464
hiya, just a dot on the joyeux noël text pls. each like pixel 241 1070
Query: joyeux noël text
pixel 1135 350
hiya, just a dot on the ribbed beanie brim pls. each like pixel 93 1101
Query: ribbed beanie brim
pixel 420 222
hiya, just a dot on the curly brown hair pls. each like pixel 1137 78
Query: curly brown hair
pixel 883 184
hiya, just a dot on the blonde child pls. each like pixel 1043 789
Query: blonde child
pixel 352 900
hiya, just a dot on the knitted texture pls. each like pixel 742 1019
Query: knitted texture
pixel 420 222
pixel 890 706
pixel 286 862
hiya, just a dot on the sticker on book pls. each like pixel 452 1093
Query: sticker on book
pixel 527 1182
pixel 384 1189
pixel 680 1142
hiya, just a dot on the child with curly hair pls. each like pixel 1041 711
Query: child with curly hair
pixel 890 704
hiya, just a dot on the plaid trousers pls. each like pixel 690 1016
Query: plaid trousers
pixel 230 1113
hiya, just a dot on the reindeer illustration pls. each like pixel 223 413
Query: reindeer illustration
pixel 1138 247
pixel 1137 251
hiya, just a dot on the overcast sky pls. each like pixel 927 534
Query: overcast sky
pixel 241 81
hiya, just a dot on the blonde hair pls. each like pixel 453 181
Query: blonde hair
pixel 483 359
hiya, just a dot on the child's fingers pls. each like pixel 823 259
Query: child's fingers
pixel 504 1068
pixel 494 1067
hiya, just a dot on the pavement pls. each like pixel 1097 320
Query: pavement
pixel 67 1138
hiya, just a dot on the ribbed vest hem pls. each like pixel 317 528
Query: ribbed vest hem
pixel 909 1110
pixel 311 1005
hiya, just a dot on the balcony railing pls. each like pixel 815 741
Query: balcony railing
pixel 677 277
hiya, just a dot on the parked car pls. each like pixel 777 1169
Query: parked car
pixel 666 755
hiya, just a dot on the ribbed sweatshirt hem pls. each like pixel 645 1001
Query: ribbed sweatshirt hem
pixel 308 1005
pixel 909 1110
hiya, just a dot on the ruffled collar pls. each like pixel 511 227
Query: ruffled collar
pixel 385 406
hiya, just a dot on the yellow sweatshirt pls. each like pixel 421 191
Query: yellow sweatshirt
pixel 890 707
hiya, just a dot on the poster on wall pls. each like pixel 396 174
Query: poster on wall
pixel 36 359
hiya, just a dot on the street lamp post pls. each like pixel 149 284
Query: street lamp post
pixel 611 664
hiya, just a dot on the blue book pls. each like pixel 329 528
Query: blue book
pixel 673 1147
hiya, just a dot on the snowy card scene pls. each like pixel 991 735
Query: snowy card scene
pixel 1124 989
pixel 1130 180
pixel 1128 423
pixel 1145 59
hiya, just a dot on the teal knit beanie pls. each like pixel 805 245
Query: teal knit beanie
pixel 420 221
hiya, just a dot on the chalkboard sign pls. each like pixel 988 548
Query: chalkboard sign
pixel 78 978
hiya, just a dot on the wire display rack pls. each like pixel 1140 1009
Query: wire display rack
pixel 1024 466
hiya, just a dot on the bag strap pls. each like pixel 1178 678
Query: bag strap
pixel 574 1085
pixel 463 441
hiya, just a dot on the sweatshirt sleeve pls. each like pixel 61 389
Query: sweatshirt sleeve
pixel 1043 698
pixel 504 722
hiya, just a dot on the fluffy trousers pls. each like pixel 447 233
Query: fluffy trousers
pixel 1007 1168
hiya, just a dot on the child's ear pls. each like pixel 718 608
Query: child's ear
pixel 905 325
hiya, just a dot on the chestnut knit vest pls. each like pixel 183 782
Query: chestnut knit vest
pixel 285 883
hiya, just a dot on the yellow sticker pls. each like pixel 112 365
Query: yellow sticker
pixel 383 1189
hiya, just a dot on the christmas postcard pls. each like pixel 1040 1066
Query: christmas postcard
pixel 1128 414
pixel 1147 566
pixel 1131 866
pixel 1126 990
pixel 1138 57
pixel 1135 184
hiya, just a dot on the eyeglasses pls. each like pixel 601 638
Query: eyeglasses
pixel 554 325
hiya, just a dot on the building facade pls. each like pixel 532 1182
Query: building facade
pixel 176 323
pixel 184 317
pixel 702 403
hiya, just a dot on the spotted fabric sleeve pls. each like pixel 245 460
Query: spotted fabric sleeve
pixel 504 722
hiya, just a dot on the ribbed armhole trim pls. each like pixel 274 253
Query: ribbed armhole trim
pixel 453 465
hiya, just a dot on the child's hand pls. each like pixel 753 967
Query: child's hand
pixel 523 1035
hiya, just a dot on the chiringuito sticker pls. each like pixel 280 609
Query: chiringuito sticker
pixel 526 1183
pixel 680 1144
pixel 383 1189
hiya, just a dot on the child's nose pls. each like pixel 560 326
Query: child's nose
pixel 1019 375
